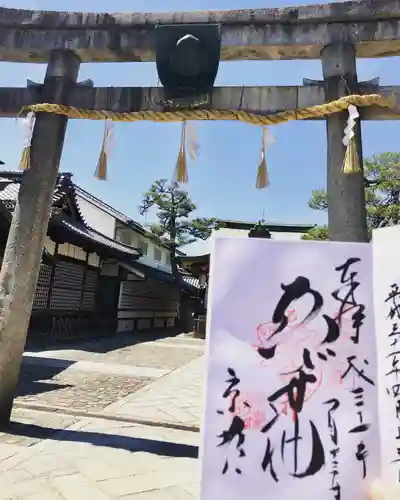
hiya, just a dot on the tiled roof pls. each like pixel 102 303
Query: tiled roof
pixel 153 272
pixel 106 208
pixel 191 280
pixel 91 234
pixel 161 275
pixel 272 226
pixel 9 194
pixel 194 258
pixel 119 216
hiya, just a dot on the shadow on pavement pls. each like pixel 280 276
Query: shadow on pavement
pixel 32 378
pixel 156 447
pixel 57 364
pixel 105 344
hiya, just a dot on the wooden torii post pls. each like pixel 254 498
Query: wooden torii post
pixel 334 33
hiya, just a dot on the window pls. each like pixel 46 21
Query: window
pixel 167 258
pixel 143 247
pixel 157 254
pixel 124 237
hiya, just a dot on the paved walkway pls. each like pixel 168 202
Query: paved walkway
pixel 99 460
pixel 176 398
pixel 94 366
pixel 95 375
pixel 103 452
pixel 139 350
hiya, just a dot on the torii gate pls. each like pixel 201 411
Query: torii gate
pixel 334 33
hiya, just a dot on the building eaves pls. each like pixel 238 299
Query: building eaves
pixel 278 228
pixel 92 235
pixel 109 209
pixel 12 180
pixel 192 281
pixel 119 216
pixel 160 275
pixel 194 258
pixel 9 190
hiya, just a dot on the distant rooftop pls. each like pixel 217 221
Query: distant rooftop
pixel 272 226
pixel 237 228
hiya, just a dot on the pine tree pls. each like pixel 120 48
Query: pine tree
pixel 382 194
pixel 174 228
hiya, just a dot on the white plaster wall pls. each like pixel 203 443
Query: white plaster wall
pixel 97 218
pixel 107 224
pixel 149 259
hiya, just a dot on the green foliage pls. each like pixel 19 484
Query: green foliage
pixel 382 194
pixel 173 208
pixel 318 200
pixel 383 189
pixel 316 233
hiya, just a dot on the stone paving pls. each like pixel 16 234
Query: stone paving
pixel 100 460
pixel 96 374
pixel 167 353
pixel 12 443
pixel 177 398
pixel 44 385
pixel 58 455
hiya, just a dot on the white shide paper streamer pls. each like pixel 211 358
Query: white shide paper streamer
pixel 351 122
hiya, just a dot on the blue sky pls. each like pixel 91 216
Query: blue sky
pixel 222 179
